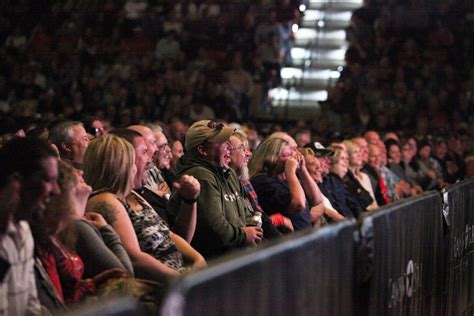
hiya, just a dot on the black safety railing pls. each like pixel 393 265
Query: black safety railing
pixel 415 257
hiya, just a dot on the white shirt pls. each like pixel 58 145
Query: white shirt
pixel 18 288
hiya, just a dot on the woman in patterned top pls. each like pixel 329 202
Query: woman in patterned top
pixel 156 253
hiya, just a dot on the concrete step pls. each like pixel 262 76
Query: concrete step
pixel 323 55
pixel 294 97
pixel 327 15
pixel 335 5
pixel 318 79
pixel 318 63
pixel 328 25
pixel 327 38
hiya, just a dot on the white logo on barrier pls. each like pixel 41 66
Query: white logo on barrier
pixel 405 285
pixel 462 242
pixel 409 278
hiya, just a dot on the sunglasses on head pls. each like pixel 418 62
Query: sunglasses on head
pixel 215 126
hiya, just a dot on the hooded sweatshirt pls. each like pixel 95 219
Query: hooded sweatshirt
pixel 221 206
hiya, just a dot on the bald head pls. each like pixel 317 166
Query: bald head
pixel 286 137
pixel 372 137
pixel 148 136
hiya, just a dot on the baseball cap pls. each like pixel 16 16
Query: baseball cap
pixel 319 149
pixel 206 131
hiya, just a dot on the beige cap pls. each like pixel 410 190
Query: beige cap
pixel 206 131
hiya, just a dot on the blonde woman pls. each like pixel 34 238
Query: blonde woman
pixel 357 182
pixel 274 170
pixel 314 168
pixel 333 185
pixel 156 253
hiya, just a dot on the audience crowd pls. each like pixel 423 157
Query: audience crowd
pixel 123 167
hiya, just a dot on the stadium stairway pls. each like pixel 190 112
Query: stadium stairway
pixel 318 57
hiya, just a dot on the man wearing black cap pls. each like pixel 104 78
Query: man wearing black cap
pixel 222 211
pixel 323 154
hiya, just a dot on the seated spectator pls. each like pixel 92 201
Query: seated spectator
pixel 154 180
pixel 357 182
pixel 94 127
pixel 396 188
pixel 409 163
pixel 429 168
pixel 394 156
pixel 310 188
pixel 54 243
pixel 112 170
pixel 372 169
pixel 333 185
pixel 451 170
pixel 185 222
pixel 273 173
pixel 28 179
pixel 221 210
pixel 177 151
pixel 364 149
pixel 315 170
pixel 239 157
pixel 97 244
pixel 71 139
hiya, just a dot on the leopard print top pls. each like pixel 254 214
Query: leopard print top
pixel 154 234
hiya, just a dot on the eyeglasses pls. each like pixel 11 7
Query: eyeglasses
pixel 215 126
pixel 163 146
pixel 241 148
pixel 95 130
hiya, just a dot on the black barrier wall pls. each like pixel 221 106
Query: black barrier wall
pixel 404 242
pixel 459 214
pixel 309 275
pixel 406 259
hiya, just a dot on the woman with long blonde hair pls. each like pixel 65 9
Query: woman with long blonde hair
pixel 274 170
pixel 156 252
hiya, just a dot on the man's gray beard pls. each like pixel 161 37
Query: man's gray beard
pixel 244 173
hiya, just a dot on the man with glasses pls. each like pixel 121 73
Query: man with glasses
pixel 222 211
pixel 239 158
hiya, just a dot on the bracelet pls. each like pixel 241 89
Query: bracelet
pixel 189 201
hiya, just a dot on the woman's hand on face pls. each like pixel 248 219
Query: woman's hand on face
pixel 291 165
pixel 301 161
pixel 95 219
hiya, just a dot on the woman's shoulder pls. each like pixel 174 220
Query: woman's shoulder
pixel 106 204
pixel 97 197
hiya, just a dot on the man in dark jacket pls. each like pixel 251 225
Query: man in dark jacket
pixel 222 211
